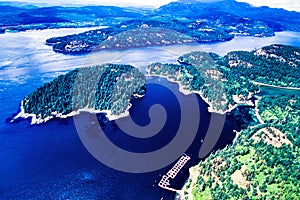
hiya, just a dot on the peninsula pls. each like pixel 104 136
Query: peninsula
pixel 98 89
pixel 225 82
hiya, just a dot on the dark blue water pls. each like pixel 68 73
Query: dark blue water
pixel 49 161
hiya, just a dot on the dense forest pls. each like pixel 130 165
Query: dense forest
pixel 262 163
pixel 277 65
pixel 234 78
pixel 109 38
pixel 200 21
pixel 229 79
pixel 105 87
pixel 222 81
pixel 18 16
pixel 234 17
pixel 284 113
pixel 208 29
pixel 195 78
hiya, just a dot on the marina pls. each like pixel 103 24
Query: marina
pixel 172 173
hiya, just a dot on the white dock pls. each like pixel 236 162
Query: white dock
pixel 172 173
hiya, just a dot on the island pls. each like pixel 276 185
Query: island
pixel 108 39
pixel 98 89
pixel 200 21
pixel 160 31
pixel 116 27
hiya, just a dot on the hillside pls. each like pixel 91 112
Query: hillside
pixel 262 163
pixel 106 88
pixel 225 82
pixel 16 17
pixel 201 22
pixel 276 19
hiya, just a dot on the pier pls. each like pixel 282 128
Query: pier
pixel 172 173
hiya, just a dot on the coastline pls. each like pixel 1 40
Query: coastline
pixel 189 92
pixel 186 193
pixel 80 29
pixel 36 120
pixel 256 112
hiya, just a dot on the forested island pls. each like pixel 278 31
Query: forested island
pixel 193 19
pixel 199 21
pixel 107 38
pixel 106 88
pixel 198 31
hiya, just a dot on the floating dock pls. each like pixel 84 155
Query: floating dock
pixel 172 173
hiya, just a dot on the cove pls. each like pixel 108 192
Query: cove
pixel 50 161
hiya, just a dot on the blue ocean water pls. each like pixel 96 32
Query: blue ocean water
pixel 49 161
